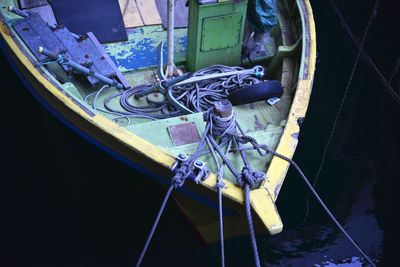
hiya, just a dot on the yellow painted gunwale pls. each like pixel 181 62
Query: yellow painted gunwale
pixel 263 199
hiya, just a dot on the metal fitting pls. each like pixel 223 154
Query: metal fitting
pixel 202 171
pixel 180 158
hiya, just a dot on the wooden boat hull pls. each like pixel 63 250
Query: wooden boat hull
pixel 197 202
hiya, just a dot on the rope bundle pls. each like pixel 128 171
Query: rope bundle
pixel 197 96
pixel 201 96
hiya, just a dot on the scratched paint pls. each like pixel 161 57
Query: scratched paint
pixel 140 51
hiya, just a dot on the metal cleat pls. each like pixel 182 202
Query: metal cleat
pixel 180 158
pixel 202 171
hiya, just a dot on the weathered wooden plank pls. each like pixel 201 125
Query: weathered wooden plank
pixel 35 32
pixel 181 13
pixel 74 49
pixel 30 38
pixel 26 4
pixel 130 13
pixel 46 12
pixel 148 11
pixel 88 51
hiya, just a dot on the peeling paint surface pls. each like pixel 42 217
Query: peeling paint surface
pixel 140 51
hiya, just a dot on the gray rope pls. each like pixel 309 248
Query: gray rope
pixel 226 129
pixel 313 191
pixel 219 185
pixel 182 172
pixel 249 179
pixel 94 105
pixel 200 96
pixel 321 202
pixel 366 57
pixel 196 97
pixel 154 227
pixel 251 226
pixel 395 71
pixel 342 102
pixel 154 111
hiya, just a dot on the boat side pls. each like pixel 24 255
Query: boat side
pixel 287 145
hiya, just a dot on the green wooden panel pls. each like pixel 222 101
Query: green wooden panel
pixel 221 32
pixel 210 40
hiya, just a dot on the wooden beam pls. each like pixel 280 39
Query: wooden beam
pixel 46 12
pixel 130 13
pixel 26 4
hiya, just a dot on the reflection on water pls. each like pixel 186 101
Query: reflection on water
pixel 323 245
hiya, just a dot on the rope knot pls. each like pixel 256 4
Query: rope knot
pixel 220 127
pixel 178 180
pixel 181 173
pixel 251 178
pixel 219 184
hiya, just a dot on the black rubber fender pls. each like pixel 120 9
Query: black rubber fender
pixel 256 92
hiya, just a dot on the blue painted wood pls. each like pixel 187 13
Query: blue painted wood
pixel 87 51
pixel 102 60
pixel 26 4
pixel 35 33
pixel 77 53
pixel 140 52
pixel 74 48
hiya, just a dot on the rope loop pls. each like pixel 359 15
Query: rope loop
pixel 220 127
pixel 251 178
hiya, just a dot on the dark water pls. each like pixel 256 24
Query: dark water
pixel 63 202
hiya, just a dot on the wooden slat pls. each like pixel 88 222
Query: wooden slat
pixel 35 33
pixel 148 11
pixel 46 12
pixel 25 4
pixel 181 13
pixel 131 15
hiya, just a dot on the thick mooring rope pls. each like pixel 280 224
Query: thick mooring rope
pixel 321 202
pixel 228 132
pixel 197 96
pixel 200 96
pixel 225 129
pixel 343 100
pixel 249 179
pixel 182 169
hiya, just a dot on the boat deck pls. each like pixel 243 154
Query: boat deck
pixel 136 58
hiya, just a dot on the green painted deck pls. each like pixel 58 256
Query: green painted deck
pixel 259 120
pixel 137 59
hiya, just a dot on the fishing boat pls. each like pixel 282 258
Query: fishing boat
pixel 117 92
